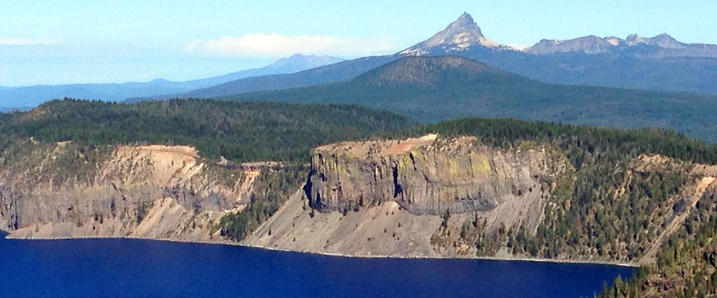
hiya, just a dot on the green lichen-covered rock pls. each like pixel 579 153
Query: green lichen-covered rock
pixel 425 175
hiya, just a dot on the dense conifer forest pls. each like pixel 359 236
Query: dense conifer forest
pixel 236 131
pixel 432 89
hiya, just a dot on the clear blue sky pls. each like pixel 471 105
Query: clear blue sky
pixel 53 42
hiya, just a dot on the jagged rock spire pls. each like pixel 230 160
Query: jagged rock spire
pixel 459 35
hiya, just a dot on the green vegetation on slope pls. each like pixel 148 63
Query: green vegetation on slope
pixel 689 74
pixel 236 131
pixel 580 141
pixel 687 264
pixel 589 214
pixel 438 88
pixel 52 162
pixel 270 192
pixel 341 71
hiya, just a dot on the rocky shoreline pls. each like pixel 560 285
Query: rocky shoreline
pixel 362 256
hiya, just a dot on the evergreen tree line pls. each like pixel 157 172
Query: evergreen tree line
pixel 591 216
pixel 237 131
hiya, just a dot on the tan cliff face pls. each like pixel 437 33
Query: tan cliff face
pixel 491 196
pixel 422 197
pixel 413 198
pixel 428 175
pixel 163 192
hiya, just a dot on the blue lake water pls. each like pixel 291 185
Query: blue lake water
pixel 120 267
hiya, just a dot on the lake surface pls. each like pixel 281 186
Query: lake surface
pixel 120 267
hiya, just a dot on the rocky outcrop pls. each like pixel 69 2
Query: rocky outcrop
pixel 427 175
pixel 461 35
pixel 453 197
pixel 422 197
pixel 160 192
pixel 660 46
pixel 385 230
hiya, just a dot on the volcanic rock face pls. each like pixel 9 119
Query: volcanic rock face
pixel 160 192
pixel 459 36
pixel 659 46
pixel 588 44
pixel 426 175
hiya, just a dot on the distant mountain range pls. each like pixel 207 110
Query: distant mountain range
pixel 34 95
pixel 295 63
pixel 436 88
pixel 658 63
pixel 464 36
pixel 660 46
pixel 341 71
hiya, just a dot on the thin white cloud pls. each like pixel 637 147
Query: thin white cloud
pixel 275 45
pixel 24 41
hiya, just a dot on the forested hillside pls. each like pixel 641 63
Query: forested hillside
pixel 432 89
pixel 337 72
pixel 686 267
pixel 236 131
pixel 595 213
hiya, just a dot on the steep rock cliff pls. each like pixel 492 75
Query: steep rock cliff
pixel 422 197
pixel 414 198
pixel 61 190
pixel 454 197
pixel 428 175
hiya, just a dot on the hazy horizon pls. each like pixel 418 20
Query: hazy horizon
pixel 128 41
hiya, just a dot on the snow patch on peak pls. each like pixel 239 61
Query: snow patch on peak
pixel 461 38
pixel 413 52
pixel 613 41
pixel 594 45
pixel 460 35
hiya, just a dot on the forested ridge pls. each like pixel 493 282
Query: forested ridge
pixel 580 141
pixel 237 131
pixel 432 89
